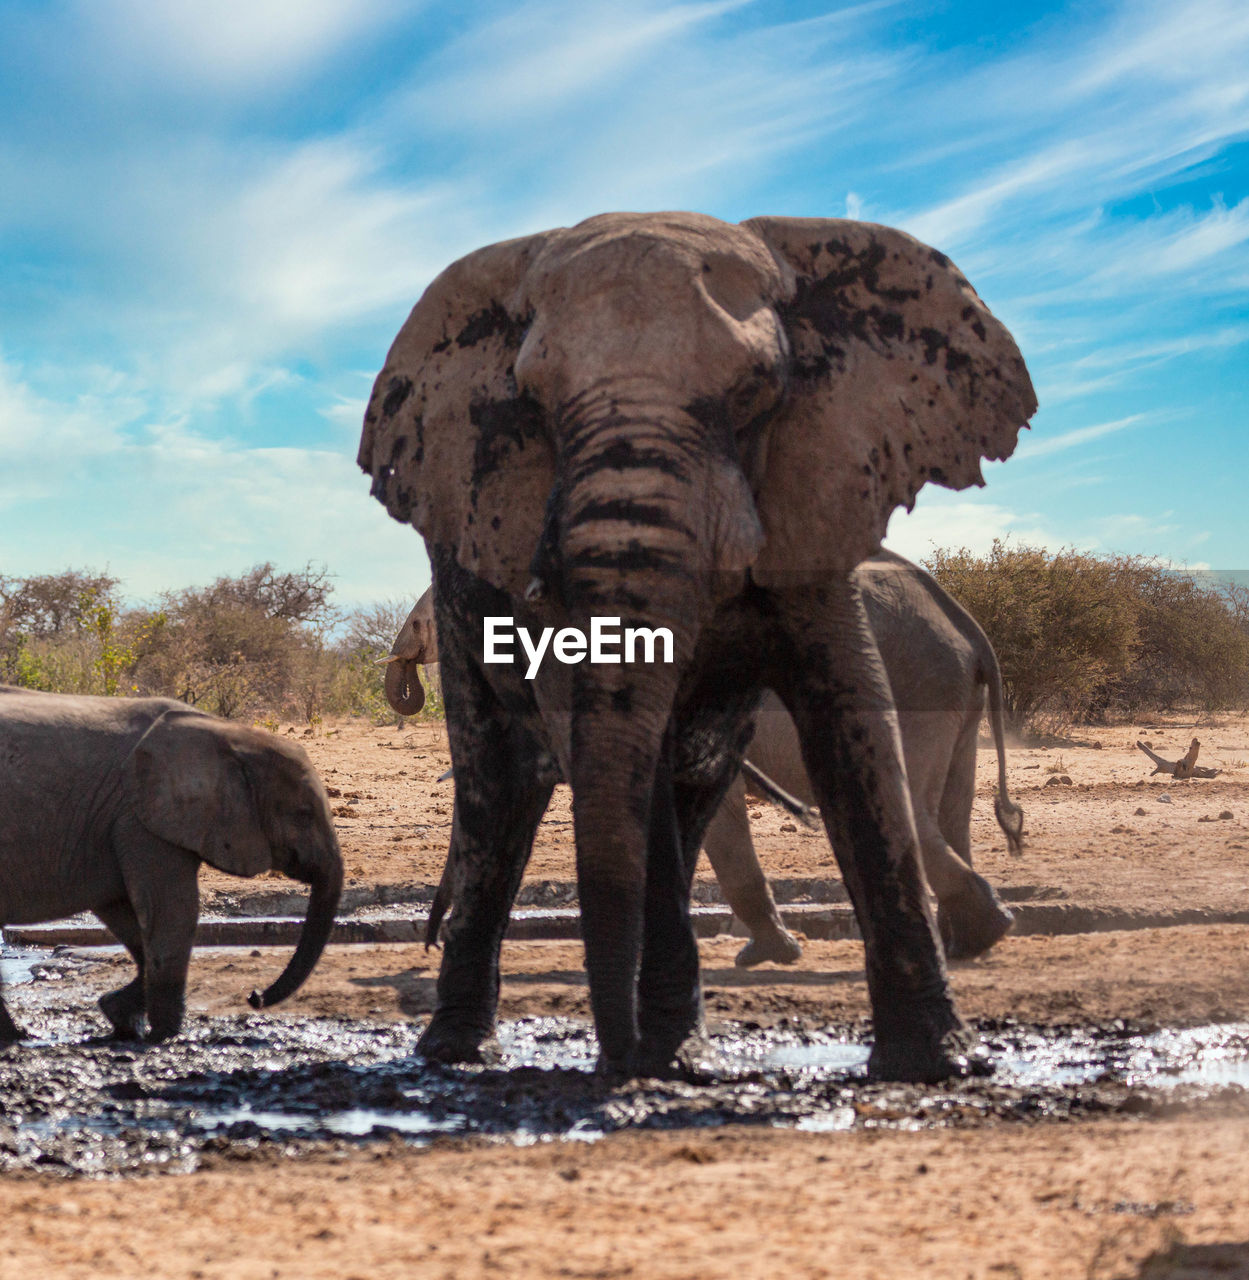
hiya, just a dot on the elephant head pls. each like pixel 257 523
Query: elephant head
pixel 415 646
pixel 641 414
pixel 246 803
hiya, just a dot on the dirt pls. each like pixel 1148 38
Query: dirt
pixel 1133 1189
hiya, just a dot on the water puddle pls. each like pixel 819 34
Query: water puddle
pixel 76 1105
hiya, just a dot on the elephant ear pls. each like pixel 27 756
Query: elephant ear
pixel 190 788
pixel 901 375
pixel 454 448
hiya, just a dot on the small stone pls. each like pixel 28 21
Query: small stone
pixel 1226 815
pixel 789 826
pixel 1164 798
pixel 1140 813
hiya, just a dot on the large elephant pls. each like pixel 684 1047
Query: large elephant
pixel 110 806
pixel 702 428
pixel 940 664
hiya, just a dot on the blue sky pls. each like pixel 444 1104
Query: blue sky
pixel 214 218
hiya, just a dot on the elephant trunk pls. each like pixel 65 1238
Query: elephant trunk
pixel 326 887
pixel 403 687
pixel 627 551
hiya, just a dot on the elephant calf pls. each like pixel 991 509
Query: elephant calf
pixel 939 664
pixel 111 804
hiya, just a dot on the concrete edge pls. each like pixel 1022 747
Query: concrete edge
pixel 815 920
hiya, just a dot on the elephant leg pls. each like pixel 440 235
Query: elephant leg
pixel 125 1006
pixel 500 797
pixel 833 682
pixel 162 885
pixel 970 915
pixel 731 852
pixel 670 1003
pixel 10 1032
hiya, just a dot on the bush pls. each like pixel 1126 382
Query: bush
pixel 1080 636
pixel 259 645
pixel 1193 641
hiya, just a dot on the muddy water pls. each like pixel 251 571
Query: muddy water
pixel 73 1105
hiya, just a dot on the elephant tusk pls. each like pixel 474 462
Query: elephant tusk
pixel 388 659
pixel 536 590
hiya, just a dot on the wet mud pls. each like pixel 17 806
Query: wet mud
pixel 74 1104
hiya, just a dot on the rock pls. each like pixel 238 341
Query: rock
pixel 1165 798
pixel 1226 815
pixel 1140 813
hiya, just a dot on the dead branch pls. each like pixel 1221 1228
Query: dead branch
pixel 1186 768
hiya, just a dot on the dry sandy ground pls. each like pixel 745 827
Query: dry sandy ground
pixel 1098 1198
pixel 1086 837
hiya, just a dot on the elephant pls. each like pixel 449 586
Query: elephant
pixel 415 646
pixel 939 664
pixel 112 804
pixel 695 430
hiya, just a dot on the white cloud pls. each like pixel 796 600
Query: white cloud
pixel 248 47
pixel 94 481
pixel 1036 447
pixel 950 522
pixel 535 57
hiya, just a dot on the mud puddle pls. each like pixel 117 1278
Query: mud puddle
pixel 234 1085
pixel 77 1105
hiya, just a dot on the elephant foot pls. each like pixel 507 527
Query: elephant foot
pixel 911 1058
pixel 125 1017
pixel 970 922
pixel 453 1043
pixel 771 942
pixel 693 1061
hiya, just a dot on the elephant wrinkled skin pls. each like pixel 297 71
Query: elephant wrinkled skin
pixel 111 804
pixel 688 424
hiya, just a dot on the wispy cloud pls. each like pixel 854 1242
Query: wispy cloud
pixel 1035 447
pixel 215 217
pixel 243 48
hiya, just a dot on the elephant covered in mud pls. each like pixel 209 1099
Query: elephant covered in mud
pixel 940 664
pixel 697 430
pixel 111 804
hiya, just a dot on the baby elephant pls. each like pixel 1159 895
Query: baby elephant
pixel 110 805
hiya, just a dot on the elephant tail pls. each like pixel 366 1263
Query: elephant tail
pixel 1009 815
pixel 438 905
pixel 803 812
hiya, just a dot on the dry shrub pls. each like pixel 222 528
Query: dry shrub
pixel 1085 637
pixel 261 645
